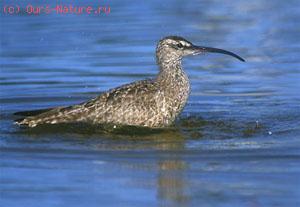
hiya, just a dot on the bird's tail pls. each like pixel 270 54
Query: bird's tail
pixel 43 116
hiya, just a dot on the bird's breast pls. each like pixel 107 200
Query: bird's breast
pixel 175 93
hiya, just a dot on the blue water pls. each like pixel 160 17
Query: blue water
pixel 237 142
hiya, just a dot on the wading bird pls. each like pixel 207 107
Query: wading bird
pixel 151 103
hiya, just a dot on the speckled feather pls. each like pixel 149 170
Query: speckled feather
pixel 149 103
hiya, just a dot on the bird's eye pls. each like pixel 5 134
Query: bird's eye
pixel 179 45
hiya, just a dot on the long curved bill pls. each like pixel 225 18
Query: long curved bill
pixel 201 49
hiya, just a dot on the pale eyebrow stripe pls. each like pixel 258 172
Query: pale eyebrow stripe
pixel 184 43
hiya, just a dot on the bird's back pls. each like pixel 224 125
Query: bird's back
pixel 130 104
pixel 139 103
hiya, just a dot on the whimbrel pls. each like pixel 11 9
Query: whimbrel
pixel 149 103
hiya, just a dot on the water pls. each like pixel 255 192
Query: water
pixel 235 144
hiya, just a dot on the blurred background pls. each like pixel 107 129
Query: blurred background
pixel 235 144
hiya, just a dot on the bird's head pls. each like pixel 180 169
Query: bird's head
pixel 174 48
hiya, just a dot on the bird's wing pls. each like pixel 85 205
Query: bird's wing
pixel 110 102
pixel 128 94
pixel 133 91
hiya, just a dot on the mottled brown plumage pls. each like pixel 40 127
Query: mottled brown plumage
pixel 149 103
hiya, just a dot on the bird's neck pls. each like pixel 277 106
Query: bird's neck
pixel 172 76
pixel 174 84
pixel 170 69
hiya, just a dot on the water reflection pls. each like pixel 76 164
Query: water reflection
pixel 171 182
pixel 164 147
pixel 171 168
pixel 167 148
